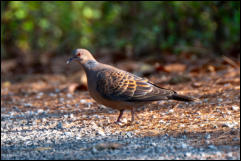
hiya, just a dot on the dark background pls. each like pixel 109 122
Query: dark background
pixel 30 30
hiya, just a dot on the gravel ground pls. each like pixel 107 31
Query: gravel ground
pixel 40 135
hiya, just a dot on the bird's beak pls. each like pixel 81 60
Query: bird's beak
pixel 72 58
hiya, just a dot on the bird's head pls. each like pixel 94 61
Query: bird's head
pixel 82 56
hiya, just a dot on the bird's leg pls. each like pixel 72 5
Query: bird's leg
pixel 132 114
pixel 121 113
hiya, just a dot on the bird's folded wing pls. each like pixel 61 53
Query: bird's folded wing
pixel 119 85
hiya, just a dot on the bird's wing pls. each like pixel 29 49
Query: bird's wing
pixel 123 86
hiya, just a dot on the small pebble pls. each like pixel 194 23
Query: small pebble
pixel 40 111
pixel 184 146
pixel 162 121
pixel 69 95
pixel 101 132
pixel 59 125
pixel 220 99
pixel 57 90
pixel 82 101
pixel 52 94
pixel 235 107
pixel 14 108
pixel 207 136
pixel 27 104
pixel 61 99
pixel 39 95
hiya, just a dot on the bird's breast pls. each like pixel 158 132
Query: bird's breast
pixel 107 102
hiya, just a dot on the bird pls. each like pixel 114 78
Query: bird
pixel 119 89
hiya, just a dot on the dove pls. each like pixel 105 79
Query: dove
pixel 119 89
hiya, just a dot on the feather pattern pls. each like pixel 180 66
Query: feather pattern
pixel 119 85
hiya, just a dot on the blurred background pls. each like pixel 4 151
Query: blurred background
pixel 33 33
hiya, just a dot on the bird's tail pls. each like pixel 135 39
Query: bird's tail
pixel 182 98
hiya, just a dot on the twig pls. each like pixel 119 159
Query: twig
pixel 231 62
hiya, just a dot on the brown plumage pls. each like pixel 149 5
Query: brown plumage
pixel 119 89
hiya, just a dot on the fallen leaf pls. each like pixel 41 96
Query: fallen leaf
pixel 179 79
pixel 107 145
pixel 176 67
pixel 42 148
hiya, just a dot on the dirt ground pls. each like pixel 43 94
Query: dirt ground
pixel 61 88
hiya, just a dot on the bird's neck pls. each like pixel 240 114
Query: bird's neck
pixel 90 68
pixel 90 65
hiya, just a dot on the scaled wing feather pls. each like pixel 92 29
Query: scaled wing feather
pixel 119 85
